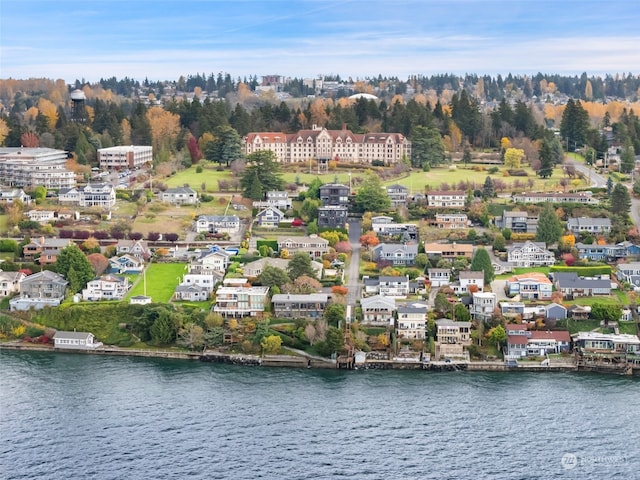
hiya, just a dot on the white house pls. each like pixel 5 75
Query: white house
pixel 378 311
pixel 179 196
pixel 218 224
pixel 484 303
pixel 439 277
pixel 75 341
pixel 106 287
pixel 530 254
pixel 10 283
pixel 411 323
pixel 241 301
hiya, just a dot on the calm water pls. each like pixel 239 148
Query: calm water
pixel 89 417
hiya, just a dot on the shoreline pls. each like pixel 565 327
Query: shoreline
pixel 287 361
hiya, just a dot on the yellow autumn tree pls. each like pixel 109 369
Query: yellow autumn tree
pixel 4 130
pixel 455 136
pixel 513 157
pixel 319 115
pixel 244 92
pixel 588 90
pixel 31 114
pixel 505 143
pixel 49 110
pixel 165 127
pixel 204 140
pixel 126 131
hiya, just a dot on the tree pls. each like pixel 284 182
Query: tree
pixel 334 314
pixel 72 259
pixel 300 265
pixel 488 190
pixel 99 263
pixel 461 313
pixel 627 158
pixel 441 303
pixel 620 200
pixel 305 285
pixel 574 125
pixel 369 239
pixel 497 336
pixel 371 197
pixel 609 186
pixel 546 156
pixel 164 328
pixel 273 276
pixel 606 313
pixel 309 209
pixel 335 340
pixel 263 166
pixel 226 146
pixel 191 336
pixel 513 157
pixel 421 260
pixel 481 262
pixel 466 157
pixel 549 226
pixel 499 243
pixel 271 344
pixel 427 147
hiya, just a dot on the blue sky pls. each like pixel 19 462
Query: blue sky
pixel 165 39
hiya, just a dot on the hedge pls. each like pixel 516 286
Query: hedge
pixel 583 271
pixel 273 244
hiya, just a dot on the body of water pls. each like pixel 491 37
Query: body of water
pixel 65 416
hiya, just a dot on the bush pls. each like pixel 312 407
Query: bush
pixel 590 271
pixel 518 172
pixel 493 170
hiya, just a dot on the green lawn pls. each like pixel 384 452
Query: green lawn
pixel 209 177
pixel 607 300
pixel 522 270
pixel 628 328
pixel 3 224
pixel 162 279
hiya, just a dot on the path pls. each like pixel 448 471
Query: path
pixel 353 269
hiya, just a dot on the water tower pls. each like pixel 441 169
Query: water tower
pixel 78 112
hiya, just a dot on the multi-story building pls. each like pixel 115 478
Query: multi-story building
pixel 385 226
pixel 452 338
pixel 530 286
pixel 270 217
pixel 299 306
pixel 398 195
pixel 10 195
pixel 39 290
pixel 573 286
pixel 378 311
pixel 334 194
pixel 275 198
pixel 91 195
pixel 530 254
pixel 451 221
pixel 241 301
pixel 450 251
pixel 107 287
pixel 218 224
pixel 324 145
pixel 179 196
pixel 518 221
pixel 468 282
pixel 10 283
pixel 333 216
pixel 446 199
pixel 484 303
pixel 411 322
pixel 604 253
pixel 439 277
pixel 123 157
pixel 31 167
pixel 397 254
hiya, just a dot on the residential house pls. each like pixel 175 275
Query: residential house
pixel 579 312
pixel 529 286
pixel 572 286
pixel 136 248
pixel 468 282
pixel 125 264
pixel 40 216
pixel 140 300
pixel 585 198
pixel 275 198
pixel 270 217
pixel 333 216
pixel 44 250
pixel 334 194
pixel 179 196
pixel 411 322
pixel 483 306
pixel 449 251
pixel 451 221
pixel 75 341
pixel 8 195
pixel 191 293
pixel 31 167
pixel 447 199
pixel 555 311
pixel 588 225
pixel 512 309
pixel 241 301
pixel 315 246
pixel 207 280
pixel 629 273
pixel 452 338
pixel 396 254
pixel 377 311
pixel 106 287
pixel 385 226
pixel 602 253
pixel 537 343
pixel 10 283
pixel 529 254
pixel 607 342
pixel 398 195
pixel 254 269
pixel 299 306
pixel 395 287
pixel 209 261
pixel 92 195
pixel 439 277
pixel 518 221
pixel 45 288
pixel 218 224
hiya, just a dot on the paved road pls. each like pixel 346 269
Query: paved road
pixel 597 180
pixel 353 281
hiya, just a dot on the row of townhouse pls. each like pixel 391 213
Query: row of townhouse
pixel 321 144
pixel 585 198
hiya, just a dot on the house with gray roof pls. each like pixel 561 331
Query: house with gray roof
pixel 378 311
pixel 518 221
pixel 75 341
pixel 412 321
pixel 299 306
pixel 398 195
pixel 389 286
pixel 218 224
pixel 191 293
pixel 42 289
pixel 572 286
pixel 179 196
pixel 270 217
pixel 8 195
pixel 530 254
pixel 588 225
pixel 397 254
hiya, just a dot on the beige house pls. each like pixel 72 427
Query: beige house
pixel 450 251
pixel 452 338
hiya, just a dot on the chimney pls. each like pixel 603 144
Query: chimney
pixel 344 126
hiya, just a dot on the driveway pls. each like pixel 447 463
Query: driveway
pixel 497 287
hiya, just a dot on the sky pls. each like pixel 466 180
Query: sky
pixel 161 39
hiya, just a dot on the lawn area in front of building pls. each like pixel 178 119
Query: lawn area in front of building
pixel 162 279
pixel 4 227
pixel 209 177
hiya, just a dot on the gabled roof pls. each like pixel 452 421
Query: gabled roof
pixel 72 335
pixel 397 247
pixel 377 301
pixel 572 280
pixel 47 276
pixel 273 209
pixel 557 335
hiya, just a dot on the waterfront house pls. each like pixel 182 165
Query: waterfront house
pixel 529 254
pixel 125 264
pixel 451 221
pixel 106 287
pixel 537 343
pixel 38 290
pixel 398 195
pixel 411 322
pixel 572 286
pixel 218 224
pixel 270 217
pixel 299 306
pixel 10 283
pixel 518 221
pixel 588 225
pixel 446 199
pixel 452 339
pixel 483 306
pixel 75 341
pixel 179 196
pixel 607 342
pixel 136 248
pixel 449 251
pixel 396 254
pixel 530 286
pixel 439 277
pixel 315 246
pixel 377 311
pixel 241 301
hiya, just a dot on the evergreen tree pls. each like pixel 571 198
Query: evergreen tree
pixel 300 265
pixel 546 156
pixel 426 147
pixel 488 190
pixel 627 158
pixel 609 185
pixel 74 266
pixel 263 166
pixel 273 276
pixel 620 200
pixel 481 262
pixel 549 226
pixel 372 197
pixel 574 125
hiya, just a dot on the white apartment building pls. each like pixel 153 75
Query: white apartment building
pixel 123 157
pixel 30 167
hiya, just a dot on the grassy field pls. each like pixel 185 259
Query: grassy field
pixel 604 299
pixel 209 177
pixel 3 224
pixel 162 279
